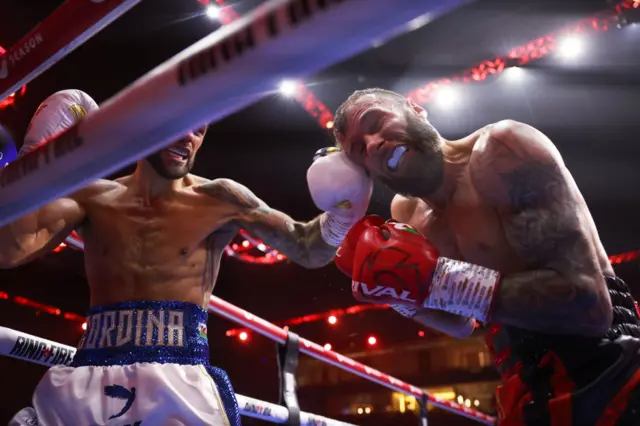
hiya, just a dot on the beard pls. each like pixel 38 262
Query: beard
pixel 424 173
pixel 169 172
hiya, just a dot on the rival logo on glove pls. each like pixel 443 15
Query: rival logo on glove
pixel 381 291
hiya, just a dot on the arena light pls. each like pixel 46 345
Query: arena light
pixel 514 74
pixel 372 340
pixel 213 12
pixel 243 336
pixel 571 47
pixel 327 346
pixel 84 326
pixel 288 87
pixel 447 97
pixel 329 124
pixel 476 403
pixel 332 319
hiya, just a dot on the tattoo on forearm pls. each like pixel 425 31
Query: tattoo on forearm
pixel 302 243
pixel 546 301
pixel 562 290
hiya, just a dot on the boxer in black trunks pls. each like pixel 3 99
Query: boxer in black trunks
pixel 506 239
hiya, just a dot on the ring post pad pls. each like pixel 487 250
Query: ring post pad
pixel 422 403
pixel 287 366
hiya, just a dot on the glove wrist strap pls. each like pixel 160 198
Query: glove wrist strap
pixel 463 289
pixel 334 228
pixel 405 311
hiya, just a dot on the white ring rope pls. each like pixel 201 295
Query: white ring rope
pixel 240 316
pixel 224 72
pixel 37 350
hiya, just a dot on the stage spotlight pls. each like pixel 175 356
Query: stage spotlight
pixel 514 74
pixel 447 97
pixel 571 47
pixel 213 12
pixel 288 87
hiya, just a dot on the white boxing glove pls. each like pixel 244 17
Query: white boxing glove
pixel 342 189
pixel 55 114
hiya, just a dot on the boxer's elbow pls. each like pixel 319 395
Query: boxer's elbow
pixel 599 314
pixel 588 312
pixel 10 259
pixel 12 251
pixel 5 262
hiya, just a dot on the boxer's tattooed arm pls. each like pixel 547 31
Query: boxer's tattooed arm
pixel 301 242
pixel 542 212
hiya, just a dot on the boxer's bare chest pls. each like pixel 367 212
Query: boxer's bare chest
pixel 165 248
pixel 467 230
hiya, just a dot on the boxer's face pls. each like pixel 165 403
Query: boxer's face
pixel 395 142
pixel 176 161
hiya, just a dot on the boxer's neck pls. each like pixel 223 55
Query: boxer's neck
pixel 456 155
pixel 151 185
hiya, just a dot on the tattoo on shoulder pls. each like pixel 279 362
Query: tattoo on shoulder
pixel 542 223
pixel 542 211
pixel 231 192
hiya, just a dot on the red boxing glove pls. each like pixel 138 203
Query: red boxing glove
pixel 393 263
pixel 346 250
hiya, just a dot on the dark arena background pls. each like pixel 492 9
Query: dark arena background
pixel 570 68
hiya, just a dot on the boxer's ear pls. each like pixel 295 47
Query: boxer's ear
pixel 417 108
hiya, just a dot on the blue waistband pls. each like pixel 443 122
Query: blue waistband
pixel 132 332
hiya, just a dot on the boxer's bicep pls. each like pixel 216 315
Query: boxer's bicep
pixel 563 290
pixel 39 232
pixel 301 242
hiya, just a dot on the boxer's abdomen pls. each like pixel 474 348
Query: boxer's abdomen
pixel 156 251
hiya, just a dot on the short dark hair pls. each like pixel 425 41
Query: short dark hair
pixel 340 119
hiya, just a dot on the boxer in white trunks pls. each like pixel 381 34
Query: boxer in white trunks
pixel 153 243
